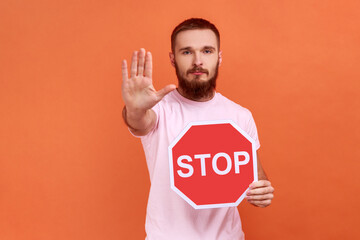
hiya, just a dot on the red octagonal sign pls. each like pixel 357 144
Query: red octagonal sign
pixel 212 164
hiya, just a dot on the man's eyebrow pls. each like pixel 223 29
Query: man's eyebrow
pixel 190 48
pixel 209 47
pixel 185 48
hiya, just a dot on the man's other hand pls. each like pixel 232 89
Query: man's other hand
pixel 260 193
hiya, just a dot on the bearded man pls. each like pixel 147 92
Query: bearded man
pixel 157 117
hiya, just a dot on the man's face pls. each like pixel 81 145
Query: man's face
pixel 196 60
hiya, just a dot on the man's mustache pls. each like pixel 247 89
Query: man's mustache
pixel 197 69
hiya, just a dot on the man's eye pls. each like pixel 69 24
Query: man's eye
pixel 208 51
pixel 186 52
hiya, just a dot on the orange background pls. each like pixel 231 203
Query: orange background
pixel 69 169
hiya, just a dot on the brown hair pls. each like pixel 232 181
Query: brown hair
pixel 192 24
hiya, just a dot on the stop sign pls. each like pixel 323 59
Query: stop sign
pixel 212 164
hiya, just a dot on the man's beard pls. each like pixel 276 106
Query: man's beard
pixel 195 89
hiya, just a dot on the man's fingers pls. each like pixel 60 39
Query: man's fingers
pixel 260 197
pixel 260 183
pixel 140 70
pixel 260 203
pixel 124 70
pixel 133 68
pixel 260 191
pixel 260 187
pixel 148 65
pixel 139 63
pixel 161 93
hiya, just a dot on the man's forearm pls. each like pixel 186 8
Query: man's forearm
pixel 261 172
pixel 139 122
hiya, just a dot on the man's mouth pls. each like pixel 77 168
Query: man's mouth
pixel 198 72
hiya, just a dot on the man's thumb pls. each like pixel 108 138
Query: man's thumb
pixel 161 93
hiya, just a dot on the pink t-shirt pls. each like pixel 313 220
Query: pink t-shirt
pixel 169 217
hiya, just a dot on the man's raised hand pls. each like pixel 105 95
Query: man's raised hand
pixel 138 91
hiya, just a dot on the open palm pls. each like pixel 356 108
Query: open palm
pixel 138 91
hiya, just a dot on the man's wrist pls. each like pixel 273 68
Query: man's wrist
pixel 125 117
pixel 131 116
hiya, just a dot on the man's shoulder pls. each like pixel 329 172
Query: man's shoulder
pixel 228 103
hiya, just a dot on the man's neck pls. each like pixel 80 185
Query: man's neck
pixel 199 99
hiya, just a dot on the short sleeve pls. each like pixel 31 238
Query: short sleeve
pixel 252 131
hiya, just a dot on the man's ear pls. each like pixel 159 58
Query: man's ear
pixel 220 57
pixel 172 59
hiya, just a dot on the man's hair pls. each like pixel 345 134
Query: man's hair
pixel 193 24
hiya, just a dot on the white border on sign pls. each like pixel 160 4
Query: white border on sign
pixel 177 139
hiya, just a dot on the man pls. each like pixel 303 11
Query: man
pixel 157 117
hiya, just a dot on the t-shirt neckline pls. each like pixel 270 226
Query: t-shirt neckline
pixel 192 102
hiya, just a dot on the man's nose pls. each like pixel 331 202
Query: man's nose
pixel 197 60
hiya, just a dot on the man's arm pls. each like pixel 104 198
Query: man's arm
pixel 260 193
pixel 139 93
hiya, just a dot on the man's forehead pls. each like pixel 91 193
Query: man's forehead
pixel 196 38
